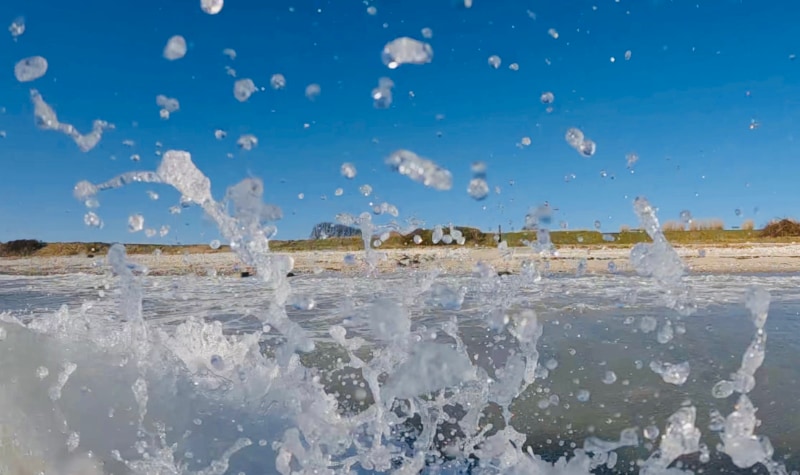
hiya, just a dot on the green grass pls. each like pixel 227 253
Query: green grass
pixel 474 238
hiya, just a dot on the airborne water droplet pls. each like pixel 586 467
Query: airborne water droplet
pixel 348 170
pixel 247 142
pixel 212 7
pixel 587 148
pixel 495 61
pixel 175 48
pixel 609 377
pixel 135 223
pixel 17 27
pixel 478 189
pixel 277 81
pixel 313 91
pixel 243 89
pixel 91 219
pixel 30 69
pixel 406 50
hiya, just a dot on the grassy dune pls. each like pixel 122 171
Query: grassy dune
pixel 783 231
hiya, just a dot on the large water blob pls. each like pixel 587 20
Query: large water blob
pixel 397 394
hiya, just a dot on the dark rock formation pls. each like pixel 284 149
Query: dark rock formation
pixel 331 230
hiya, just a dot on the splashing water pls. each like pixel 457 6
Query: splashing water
pixel 406 50
pixel 419 398
pixel 46 119
pixel 402 372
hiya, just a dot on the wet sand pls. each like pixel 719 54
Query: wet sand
pixel 747 258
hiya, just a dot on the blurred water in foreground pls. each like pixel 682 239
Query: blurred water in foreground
pixel 187 390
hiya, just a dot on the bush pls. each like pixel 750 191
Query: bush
pixel 784 227
pixel 20 247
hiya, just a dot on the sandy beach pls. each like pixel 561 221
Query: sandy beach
pixel 746 258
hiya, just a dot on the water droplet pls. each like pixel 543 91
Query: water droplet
pixel 277 81
pixel 215 244
pixel 230 53
pixel 650 432
pixel 42 372
pixel 168 105
pixel 421 170
pixel 478 168
pixel 648 324
pixel 574 137
pixel 365 190
pixel 737 212
pixel 212 7
pixel 526 141
pixel 405 50
pixel 417 239
pixel 17 27
pixel 247 142
pixel 30 69
pixel 73 440
pixel 495 61
pixel 338 192
pixel 300 196
pixel 583 395
pixel 631 159
pixel 548 98
pixel 243 89
pixel 628 55
pixel 427 33
pixel 150 232
pixel 612 267
pixel 175 48
pixel 513 67
pixel 553 33
pixel 92 220
pixel 665 334
pixel 382 95
pixel 587 148
pixel 163 231
pixel 348 170
pixel 135 223
pixel 220 134
pixel 478 189
pixel 313 91
pixel 609 377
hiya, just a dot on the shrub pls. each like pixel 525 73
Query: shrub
pixel 20 247
pixel 714 224
pixel 784 227
pixel 673 226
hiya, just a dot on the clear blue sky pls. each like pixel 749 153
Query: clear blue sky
pixel 681 103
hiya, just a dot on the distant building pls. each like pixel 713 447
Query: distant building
pixel 331 230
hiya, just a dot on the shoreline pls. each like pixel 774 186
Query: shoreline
pixel 727 258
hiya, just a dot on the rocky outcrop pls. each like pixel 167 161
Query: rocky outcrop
pixel 331 230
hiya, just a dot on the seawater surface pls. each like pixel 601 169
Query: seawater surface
pixel 600 334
